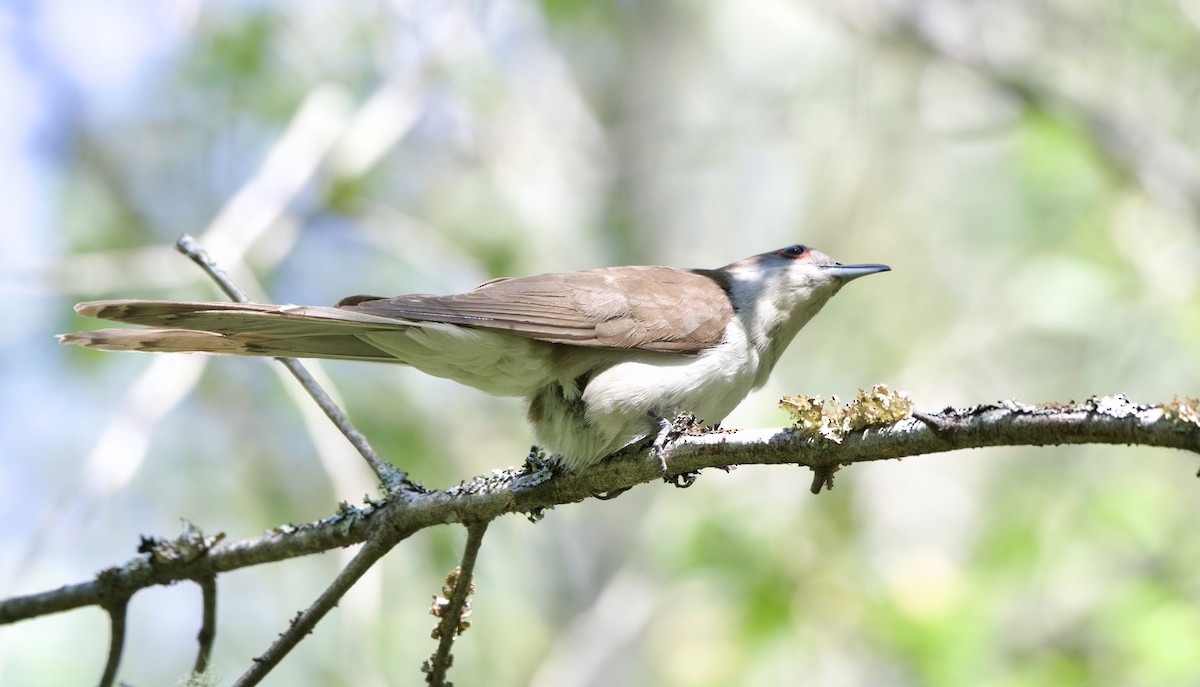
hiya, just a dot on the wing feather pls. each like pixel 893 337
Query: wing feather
pixel 650 308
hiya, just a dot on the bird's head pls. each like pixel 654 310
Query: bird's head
pixel 793 278
pixel 777 293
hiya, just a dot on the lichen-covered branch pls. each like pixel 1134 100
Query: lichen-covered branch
pixel 453 607
pixel 1099 420
pixel 531 489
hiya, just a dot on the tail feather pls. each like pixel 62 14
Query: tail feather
pixel 247 329
pixel 231 318
pixel 491 361
pixel 335 347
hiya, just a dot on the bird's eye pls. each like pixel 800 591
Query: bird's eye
pixel 795 251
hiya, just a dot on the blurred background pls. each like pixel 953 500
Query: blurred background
pixel 1029 170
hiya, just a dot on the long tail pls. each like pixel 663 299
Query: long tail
pixel 235 329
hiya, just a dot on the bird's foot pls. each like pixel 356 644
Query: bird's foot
pixel 683 480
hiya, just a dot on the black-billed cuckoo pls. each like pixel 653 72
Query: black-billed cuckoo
pixel 603 356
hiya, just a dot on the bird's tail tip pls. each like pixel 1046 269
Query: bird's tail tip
pixel 148 340
pixel 112 309
pixel 84 310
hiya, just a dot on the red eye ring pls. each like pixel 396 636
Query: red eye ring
pixel 796 251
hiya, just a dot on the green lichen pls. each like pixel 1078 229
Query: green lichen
pixel 833 421
pixel 879 406
pixel 1183 409
pixel 809 413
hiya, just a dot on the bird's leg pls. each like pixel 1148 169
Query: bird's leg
pixel 665 428
pixel 669 430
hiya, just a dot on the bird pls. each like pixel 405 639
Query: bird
pixel 605 358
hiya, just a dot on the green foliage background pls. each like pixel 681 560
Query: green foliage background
pixel 1028 170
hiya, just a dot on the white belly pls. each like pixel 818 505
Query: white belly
pixel 624 403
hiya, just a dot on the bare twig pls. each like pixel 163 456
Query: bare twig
pixel 208 626
pixel 116 640
pixel 391 478
pixel 304 623
pixel 822 478
pixel 188 246
pixel 453 611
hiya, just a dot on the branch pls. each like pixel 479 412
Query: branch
pixel 117 612
pixel 208 624
pixel 454 607
pixel 391 478
pixel 530 490
pixel 304 623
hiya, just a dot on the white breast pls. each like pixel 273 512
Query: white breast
pixel 709 384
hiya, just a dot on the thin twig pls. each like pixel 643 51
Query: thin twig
pixel 452 616
pixel 116 640
pixel 303 623
pixel 393 480
pixel 188 246
pixel 208 626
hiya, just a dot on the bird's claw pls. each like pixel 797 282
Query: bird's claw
pixel 610 494
pixel 683 480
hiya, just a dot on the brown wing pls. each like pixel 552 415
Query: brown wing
pixel 651 308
